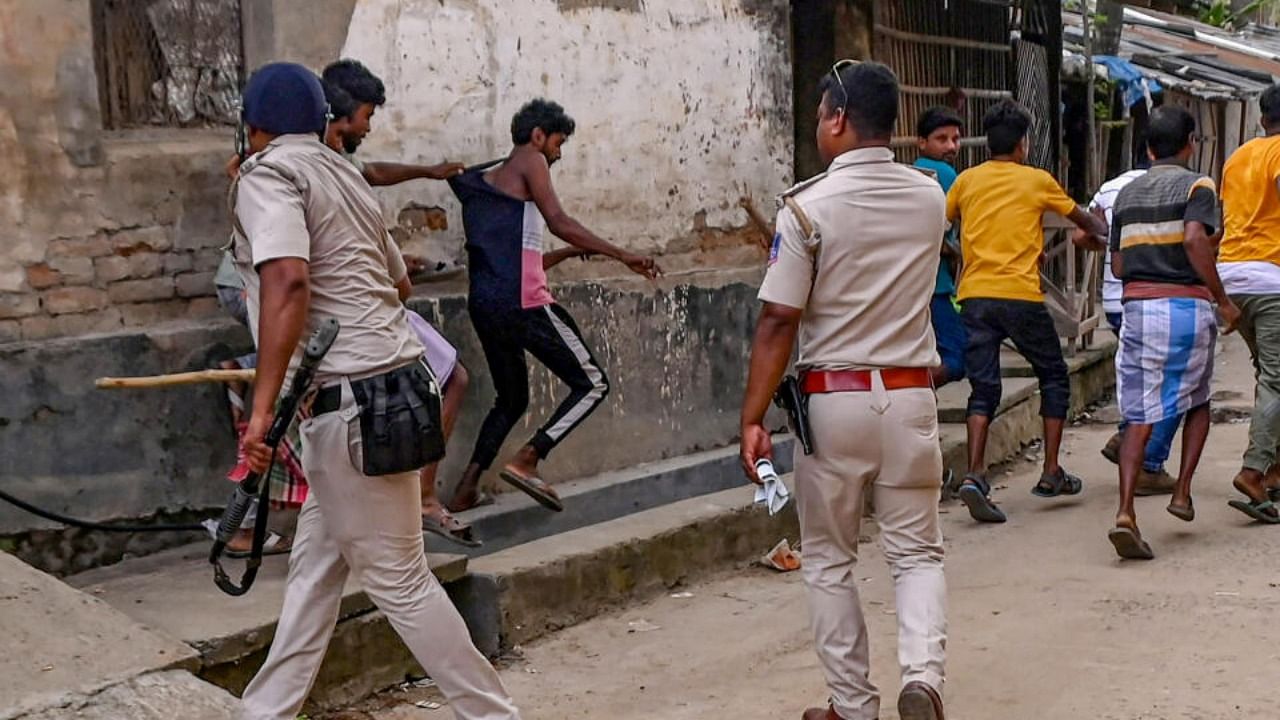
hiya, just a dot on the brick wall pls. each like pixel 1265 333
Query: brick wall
pixel 108 281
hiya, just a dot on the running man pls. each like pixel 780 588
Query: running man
pixel 1153 479
pixel 1001 203
pixel 1162 252
pixel 503 212
pixel 1249 265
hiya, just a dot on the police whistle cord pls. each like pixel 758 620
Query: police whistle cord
pixel 252 486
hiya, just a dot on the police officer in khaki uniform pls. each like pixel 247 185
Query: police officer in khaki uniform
pixel 311 246
pixel 852 272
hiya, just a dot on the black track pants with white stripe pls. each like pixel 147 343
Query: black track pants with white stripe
pixel 551 336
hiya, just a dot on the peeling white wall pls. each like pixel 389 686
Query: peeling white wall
pixel 681 105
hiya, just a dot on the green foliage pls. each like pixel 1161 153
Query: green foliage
pixel 1218 12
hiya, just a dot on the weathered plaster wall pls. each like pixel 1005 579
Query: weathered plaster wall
pixel 682 105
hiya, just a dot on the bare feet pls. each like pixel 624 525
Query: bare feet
pixel 1250 483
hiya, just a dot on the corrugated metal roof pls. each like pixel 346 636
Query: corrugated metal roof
pixel 1190 56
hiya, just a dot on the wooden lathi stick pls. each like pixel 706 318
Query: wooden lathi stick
pixel 183 378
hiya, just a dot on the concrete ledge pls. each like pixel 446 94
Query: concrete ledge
pixel 174 592
pixel 552 583
pixel 61 643
pixel 515 518
pixel 153 696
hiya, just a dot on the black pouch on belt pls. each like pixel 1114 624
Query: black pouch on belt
pixel 400 427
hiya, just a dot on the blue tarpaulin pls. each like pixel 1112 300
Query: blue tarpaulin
pixel 1136 86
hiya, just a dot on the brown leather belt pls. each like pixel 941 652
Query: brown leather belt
pixel 813 382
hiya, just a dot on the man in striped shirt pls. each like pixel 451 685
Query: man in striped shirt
pixel 1162 251
pixel 1153 479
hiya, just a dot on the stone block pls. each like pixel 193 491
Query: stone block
pixel 144 314
pixel 204 307
pixel 195 284
pixel 42 277
pixel 29 250
pixel 92 246
pixel 155 238
pixel 14 305
pixel 207 260
pixel 70 300
pixel 134 291
pixel 10 331
pixel 145 264
pixel 74 270
pixel 111 268
pixel 43 327
pixel 13 278
pixel 178 262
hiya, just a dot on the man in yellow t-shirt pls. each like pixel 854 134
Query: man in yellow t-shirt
pixel 1249 265
pixel 1000 204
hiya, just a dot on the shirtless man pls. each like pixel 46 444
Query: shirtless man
pixel 503 211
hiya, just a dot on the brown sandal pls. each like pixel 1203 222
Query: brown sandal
pixel 534 487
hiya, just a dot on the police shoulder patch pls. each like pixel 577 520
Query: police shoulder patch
pixel 775 248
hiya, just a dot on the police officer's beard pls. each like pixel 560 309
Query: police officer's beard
pixel 350 143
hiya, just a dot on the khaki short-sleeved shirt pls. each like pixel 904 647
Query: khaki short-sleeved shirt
pixel 865 278
pixel 299 199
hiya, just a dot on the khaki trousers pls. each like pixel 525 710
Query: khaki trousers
pixel 370 526
pixel 885 443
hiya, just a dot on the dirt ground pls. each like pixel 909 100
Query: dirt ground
pixel 1045 622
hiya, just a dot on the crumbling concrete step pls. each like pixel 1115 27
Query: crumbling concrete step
pixel 173 591
pixel 1092 374
pixel 60 642
pixel 514 517
pixel 1014 365
pixel 953 399
pixel 555 582
pixel 166 695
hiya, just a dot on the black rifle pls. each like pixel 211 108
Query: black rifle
pixel 248 489
pixel 790 398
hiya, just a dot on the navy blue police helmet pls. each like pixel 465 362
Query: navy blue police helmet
pixel 284 98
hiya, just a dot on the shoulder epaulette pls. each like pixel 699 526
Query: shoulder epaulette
pixel 787 199
pixel 802 185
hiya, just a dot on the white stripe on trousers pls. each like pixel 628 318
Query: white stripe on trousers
pixel 571 340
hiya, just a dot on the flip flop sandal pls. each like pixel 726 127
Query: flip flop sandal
pixel 451 529
pixel 1063 483
pixel 1186 514
pixel 1273 494
pixel 535 488
pixel 1129 544
pixel 275 544
pixel 1257 510
pixel 975 493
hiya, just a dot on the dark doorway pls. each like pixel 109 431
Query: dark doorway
pixel 822 31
